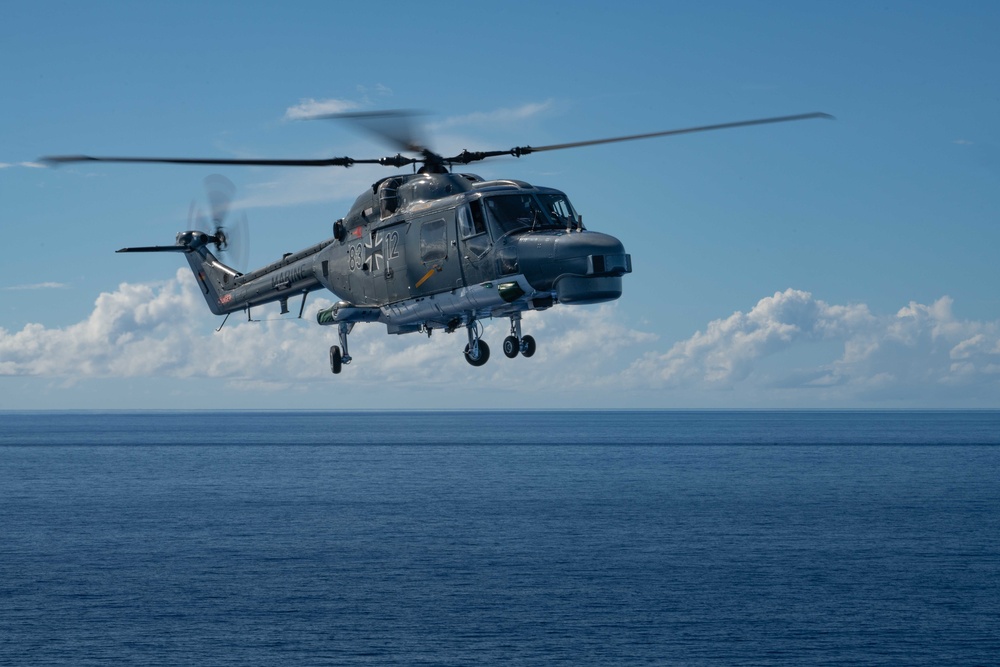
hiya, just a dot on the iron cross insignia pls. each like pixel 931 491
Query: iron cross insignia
pixel 374 256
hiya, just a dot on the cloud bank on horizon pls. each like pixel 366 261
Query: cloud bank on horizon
pixel 922 352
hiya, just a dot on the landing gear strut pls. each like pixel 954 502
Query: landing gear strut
pixel 336 358
pixel 515 343
pixel 477 352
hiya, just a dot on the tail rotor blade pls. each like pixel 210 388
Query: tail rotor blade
pixel 238 243
pixel 220 195
pixel 229 233
pixel 197 220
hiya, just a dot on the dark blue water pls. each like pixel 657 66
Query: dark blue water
pixel 620 538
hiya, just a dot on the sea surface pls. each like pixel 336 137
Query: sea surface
pixel 504 538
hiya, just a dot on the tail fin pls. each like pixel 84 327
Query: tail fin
pixel 215 279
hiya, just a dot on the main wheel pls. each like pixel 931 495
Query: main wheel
pixel 511 347
pixel 481 358
pixel 336 359
pixel 527 346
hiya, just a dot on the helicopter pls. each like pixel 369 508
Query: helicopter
pixel 430 250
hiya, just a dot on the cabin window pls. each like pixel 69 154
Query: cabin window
pixel 433 241
pixel 388 197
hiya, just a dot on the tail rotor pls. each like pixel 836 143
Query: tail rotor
pixel 231 238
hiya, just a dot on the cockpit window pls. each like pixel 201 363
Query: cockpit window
pixel 561 211
pixel 472 228
pixel 469 223
pixel 511 213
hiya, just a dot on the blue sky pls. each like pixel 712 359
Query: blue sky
pixel 815 264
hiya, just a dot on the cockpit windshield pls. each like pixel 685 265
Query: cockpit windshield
pixel 511 213
pixel 561 211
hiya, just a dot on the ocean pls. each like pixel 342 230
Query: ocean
pixel 497 537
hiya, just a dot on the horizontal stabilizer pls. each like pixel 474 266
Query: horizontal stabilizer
pixel 157 248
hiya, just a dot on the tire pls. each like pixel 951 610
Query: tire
pixel 511 347
pixel 527 346
pixel 484 354
pixel 336 359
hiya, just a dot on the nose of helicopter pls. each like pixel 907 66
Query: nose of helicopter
pixel 580 267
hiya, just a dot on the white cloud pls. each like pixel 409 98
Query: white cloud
pixel 36 286
pixel 726 352
pixel 923 353
pixel 154 329
pixel 378 90
pixel 923 349
pixel 307 108
pixel 28 165
pixel 496 117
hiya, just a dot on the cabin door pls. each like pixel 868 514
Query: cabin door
pixel 435 267
pixel 392 243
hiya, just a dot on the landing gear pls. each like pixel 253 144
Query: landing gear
pixel 527 346
pixel 480 356
pixel 511 347
pixel 515 343
pixel 337 360
pixel 477 352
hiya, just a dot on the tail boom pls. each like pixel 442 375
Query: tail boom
pixel 226 290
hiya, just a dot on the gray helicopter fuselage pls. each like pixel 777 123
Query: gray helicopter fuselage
pixel 430 251
pixel 418 252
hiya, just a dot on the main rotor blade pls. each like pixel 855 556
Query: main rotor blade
pixel 524 150
pixel 157 248
pixel 392 125
pixel 402 135
pixel 56 160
